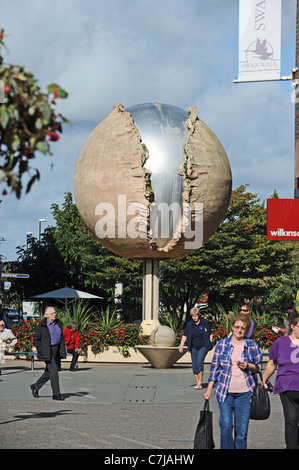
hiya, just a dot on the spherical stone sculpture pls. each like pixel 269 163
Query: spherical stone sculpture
pixel 163 336
pixel 146 175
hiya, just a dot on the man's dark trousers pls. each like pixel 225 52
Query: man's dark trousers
pixel 51 373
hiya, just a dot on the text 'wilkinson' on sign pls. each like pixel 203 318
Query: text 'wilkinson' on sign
pixel 283 219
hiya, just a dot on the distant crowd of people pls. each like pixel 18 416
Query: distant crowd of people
pixel 236 359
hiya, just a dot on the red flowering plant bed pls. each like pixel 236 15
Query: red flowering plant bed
pixel 265 336
pixel 219 332
pixel 96 335
pixel 100 337
pixel 24 331
pixel 262 333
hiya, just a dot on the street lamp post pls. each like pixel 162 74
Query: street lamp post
pixel 40 226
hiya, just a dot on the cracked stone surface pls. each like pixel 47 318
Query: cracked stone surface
pixel 112 162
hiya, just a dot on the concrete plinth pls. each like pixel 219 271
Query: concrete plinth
pixel 150 304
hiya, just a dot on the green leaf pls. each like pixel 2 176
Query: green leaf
pixel 53 87
pixel 42 147
pixel 4 117
pixel 39 124
pixel 15 143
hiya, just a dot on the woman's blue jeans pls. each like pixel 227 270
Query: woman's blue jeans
pixel 197 358
pixel 237 406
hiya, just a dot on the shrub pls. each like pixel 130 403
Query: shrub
pixel 24 332
pixel 262 333
pixel 100 336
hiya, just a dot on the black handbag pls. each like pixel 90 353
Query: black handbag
pixel 204 431
pixel 260 401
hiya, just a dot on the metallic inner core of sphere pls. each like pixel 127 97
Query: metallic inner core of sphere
pixel 163 130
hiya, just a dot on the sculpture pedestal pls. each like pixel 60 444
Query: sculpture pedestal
pixel 150 301
pixel 161 357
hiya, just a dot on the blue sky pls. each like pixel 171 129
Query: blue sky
pixel 179 52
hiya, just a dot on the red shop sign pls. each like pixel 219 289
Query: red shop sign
pixel 283 219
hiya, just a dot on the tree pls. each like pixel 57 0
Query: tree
pixel 248 265
pixel 28 123
pixel 91 266
pixel 42 261
pixel 68 254
pixel 236 263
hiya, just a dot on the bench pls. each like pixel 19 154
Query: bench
pixel 30 354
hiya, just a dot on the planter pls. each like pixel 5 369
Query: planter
pixel 161 357
pixel 113 354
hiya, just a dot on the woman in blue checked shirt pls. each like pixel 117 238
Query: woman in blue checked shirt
pixel 235 360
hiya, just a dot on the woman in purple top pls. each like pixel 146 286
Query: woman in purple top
pixel 285 355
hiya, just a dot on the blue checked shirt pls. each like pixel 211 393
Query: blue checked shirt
pixel 221 366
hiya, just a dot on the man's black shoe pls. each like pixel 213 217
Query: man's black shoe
pixel 34 392
pixel 58 397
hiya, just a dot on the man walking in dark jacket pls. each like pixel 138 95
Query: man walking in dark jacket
pixel 49 342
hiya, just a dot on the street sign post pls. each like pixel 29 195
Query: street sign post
pixel 15 275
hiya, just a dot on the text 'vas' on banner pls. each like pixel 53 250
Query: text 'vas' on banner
pixel 259 40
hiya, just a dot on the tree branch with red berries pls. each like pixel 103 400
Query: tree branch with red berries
pixel 29 123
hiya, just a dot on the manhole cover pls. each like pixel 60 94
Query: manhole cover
pixel 140 394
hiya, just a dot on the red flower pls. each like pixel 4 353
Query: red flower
pixel 53 136
pixel 55 94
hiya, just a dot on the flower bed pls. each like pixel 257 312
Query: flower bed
pixel 24 331
pixel 262 332
pixel 124 336
pixel 100 338
pixel 95 335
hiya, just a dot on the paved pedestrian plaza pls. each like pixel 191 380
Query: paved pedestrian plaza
pixel 115 406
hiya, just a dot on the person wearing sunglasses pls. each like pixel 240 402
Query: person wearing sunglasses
pixel 245 309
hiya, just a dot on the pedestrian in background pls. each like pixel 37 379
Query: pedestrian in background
pixel 72 343
pixel 7 340
pixel 198 334
pixel 246 310
pixel 284 354
pixel 285 320
pixel 236 359
pixel 49 342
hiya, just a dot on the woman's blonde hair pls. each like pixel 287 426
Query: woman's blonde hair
pixel 195 311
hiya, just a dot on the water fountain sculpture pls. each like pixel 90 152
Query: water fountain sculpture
pixel 152 182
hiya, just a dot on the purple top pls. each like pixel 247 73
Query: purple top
pixel 250 329
pixel 286 355
pixel 55 332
